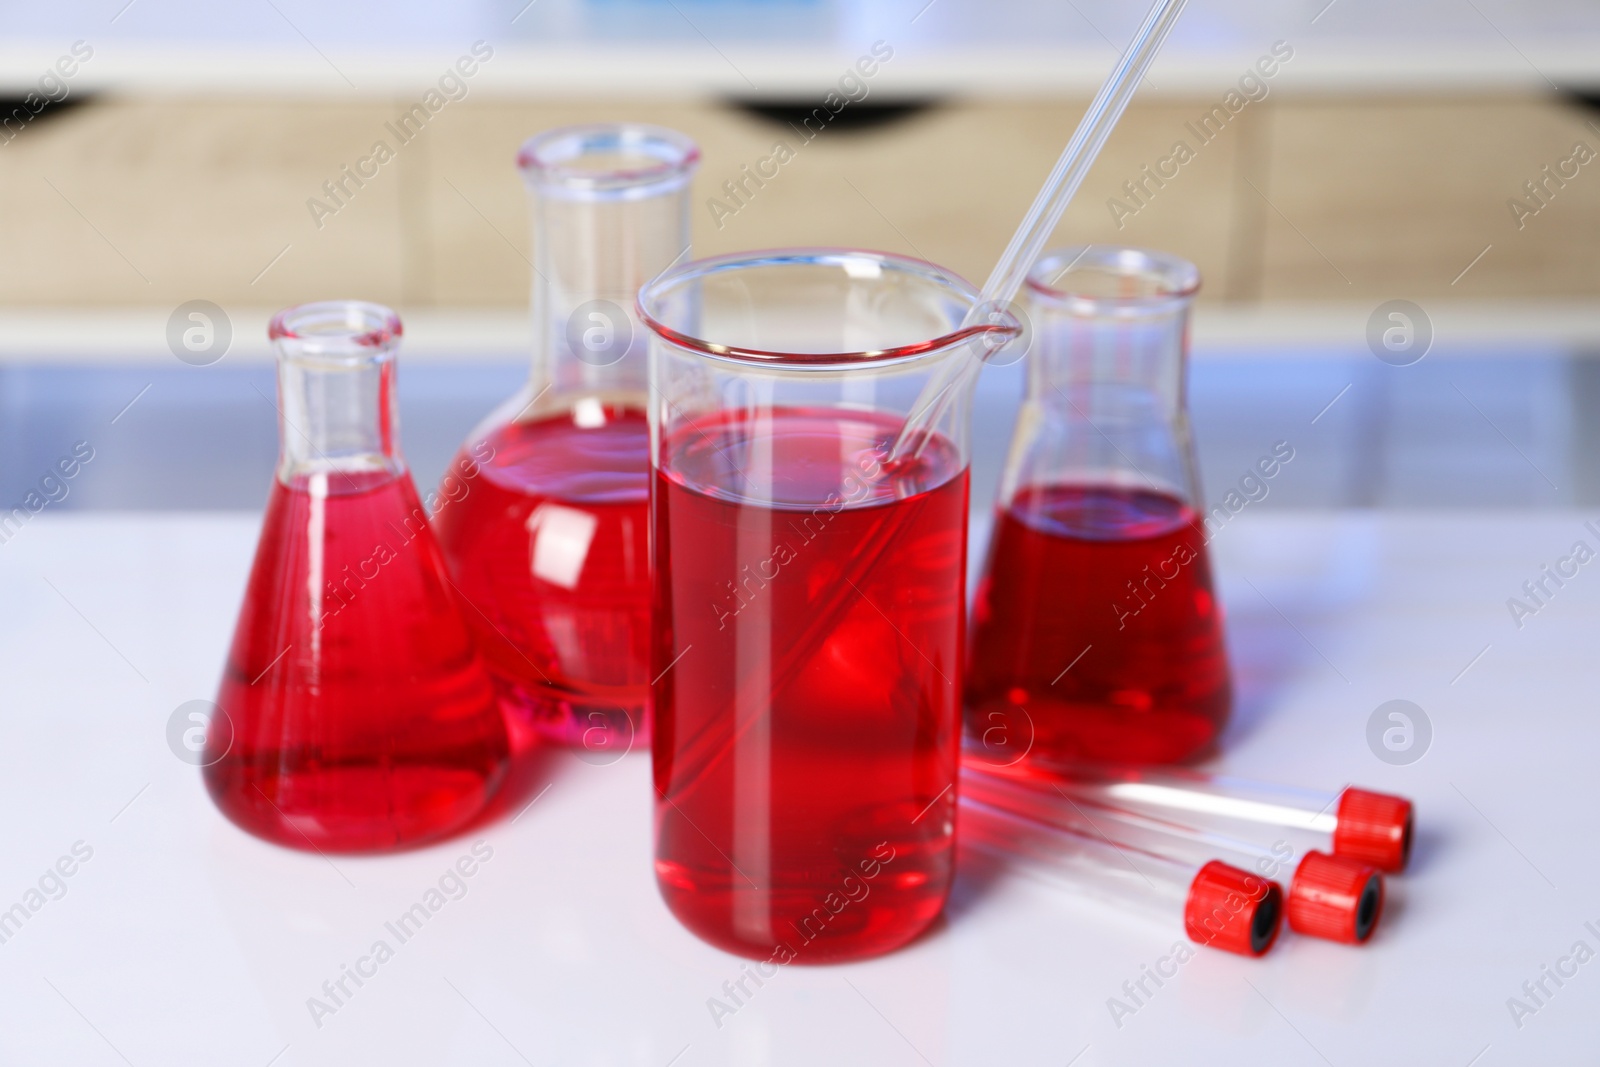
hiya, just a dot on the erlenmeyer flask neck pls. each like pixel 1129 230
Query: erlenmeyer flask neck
pixel 1112 318
pixel 1105 401
pixel 610 206
pixel 336 389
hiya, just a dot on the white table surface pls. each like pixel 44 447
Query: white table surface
pixel 185 941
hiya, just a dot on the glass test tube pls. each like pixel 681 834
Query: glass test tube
pixel 1221 905
pixel 1332 897
pixel 1356 823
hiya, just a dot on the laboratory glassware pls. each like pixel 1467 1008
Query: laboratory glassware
pixel 1352 822
pixel 544 513
pixel 1331 897
pixel 1219 905
pixel 808 607
pixel 1096 631
pixel 355 712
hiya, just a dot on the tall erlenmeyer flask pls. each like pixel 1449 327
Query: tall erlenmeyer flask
pixel 545 516
pixel 355 712
pixel 1096 633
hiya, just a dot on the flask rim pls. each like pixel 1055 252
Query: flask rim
pixel 1169 280
pixel 347 330
pixel 549 160
pixel 651 307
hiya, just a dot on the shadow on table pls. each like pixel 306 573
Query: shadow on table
pixel 1268 654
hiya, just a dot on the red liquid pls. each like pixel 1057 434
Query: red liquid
pixel 807 714
pixel 549 547
pixel 361 715
pixel 1123 573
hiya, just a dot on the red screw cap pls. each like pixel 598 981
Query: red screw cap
pixel 1373 828
pixel 1335 897
pixel 1233 909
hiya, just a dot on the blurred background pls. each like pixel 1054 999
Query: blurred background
pixel 1337 157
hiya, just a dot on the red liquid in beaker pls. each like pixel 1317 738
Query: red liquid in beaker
pixel 1119 577
pixel 549 547
pixel 807 716
pixel 359 715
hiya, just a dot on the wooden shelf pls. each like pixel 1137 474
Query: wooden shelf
pixel 148 201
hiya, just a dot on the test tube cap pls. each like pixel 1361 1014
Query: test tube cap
pixel 1232 909
pixel 1373 828
pixel 1335 897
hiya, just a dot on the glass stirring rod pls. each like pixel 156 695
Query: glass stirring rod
pixel 1030 237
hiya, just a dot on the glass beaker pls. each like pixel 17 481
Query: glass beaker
pixel 1096 633
pixel 355 712
pixel 808 608
pixel 545 514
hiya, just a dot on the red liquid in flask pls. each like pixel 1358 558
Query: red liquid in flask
pixel 807 729
pixel 360 712
pixel 549 547
pixel 1124 574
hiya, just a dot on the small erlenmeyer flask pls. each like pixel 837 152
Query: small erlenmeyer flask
pixel 358 711
pixel 1096 633
pixel 545 523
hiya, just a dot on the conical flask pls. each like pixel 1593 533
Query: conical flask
pixel 1095 630
pixel 355 712
pixel 545 523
